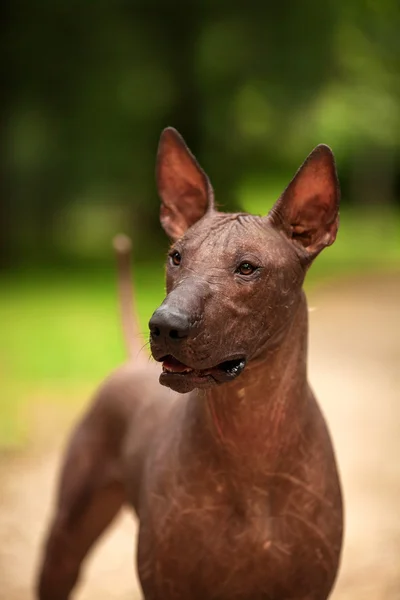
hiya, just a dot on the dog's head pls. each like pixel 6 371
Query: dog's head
pixel 233 280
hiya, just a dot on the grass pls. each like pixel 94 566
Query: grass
pixel 60 331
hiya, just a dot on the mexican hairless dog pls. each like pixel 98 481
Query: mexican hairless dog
pixel 228 463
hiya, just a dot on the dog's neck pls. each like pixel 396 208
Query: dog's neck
pixel 261 408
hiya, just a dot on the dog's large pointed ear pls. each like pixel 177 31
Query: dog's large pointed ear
pixel 308 210
pixel 185 190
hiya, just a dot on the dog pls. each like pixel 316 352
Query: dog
pixel 228 464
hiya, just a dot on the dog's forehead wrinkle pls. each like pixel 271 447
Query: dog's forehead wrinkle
pixel 248 220
pixel 228 240
pixel 226 224
pixel 209 243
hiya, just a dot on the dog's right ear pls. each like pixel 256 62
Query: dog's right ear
pixel 308 210
pixel 185 190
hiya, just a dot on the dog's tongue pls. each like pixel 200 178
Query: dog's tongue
pixel 174 366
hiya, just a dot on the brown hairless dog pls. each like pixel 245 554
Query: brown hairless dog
pixel 228 463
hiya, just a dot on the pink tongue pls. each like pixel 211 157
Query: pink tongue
pixel 171 364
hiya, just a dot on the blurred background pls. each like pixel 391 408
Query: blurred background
pixel 253 87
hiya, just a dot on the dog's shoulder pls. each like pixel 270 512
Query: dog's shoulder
pixel 128 390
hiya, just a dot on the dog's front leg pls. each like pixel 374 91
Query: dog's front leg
pixel 90 495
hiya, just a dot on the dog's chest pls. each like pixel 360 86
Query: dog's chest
pixel 195 539
pixel 202 543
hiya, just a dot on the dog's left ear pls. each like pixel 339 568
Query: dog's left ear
pixel 308 210
pixel 185 190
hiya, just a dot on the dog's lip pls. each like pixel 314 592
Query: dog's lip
pixel 230 367
pixel 172 365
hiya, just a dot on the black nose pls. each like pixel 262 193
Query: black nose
pixel 169 323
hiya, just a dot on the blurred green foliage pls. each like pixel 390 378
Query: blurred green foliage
pixel 252 86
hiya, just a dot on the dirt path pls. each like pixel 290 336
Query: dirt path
pixel 355 370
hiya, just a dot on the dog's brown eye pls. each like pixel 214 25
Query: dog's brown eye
pixel 176 258
pixel 246 268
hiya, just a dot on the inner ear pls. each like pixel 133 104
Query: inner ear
pixel 185 190
pixel 308 210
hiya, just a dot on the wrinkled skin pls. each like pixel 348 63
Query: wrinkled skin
pixel 228 465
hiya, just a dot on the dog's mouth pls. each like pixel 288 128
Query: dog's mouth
pixel 175 371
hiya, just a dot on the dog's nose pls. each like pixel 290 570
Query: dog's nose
pixel 169 323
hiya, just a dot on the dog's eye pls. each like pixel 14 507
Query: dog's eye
pixel 245 268
pixel 176 258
